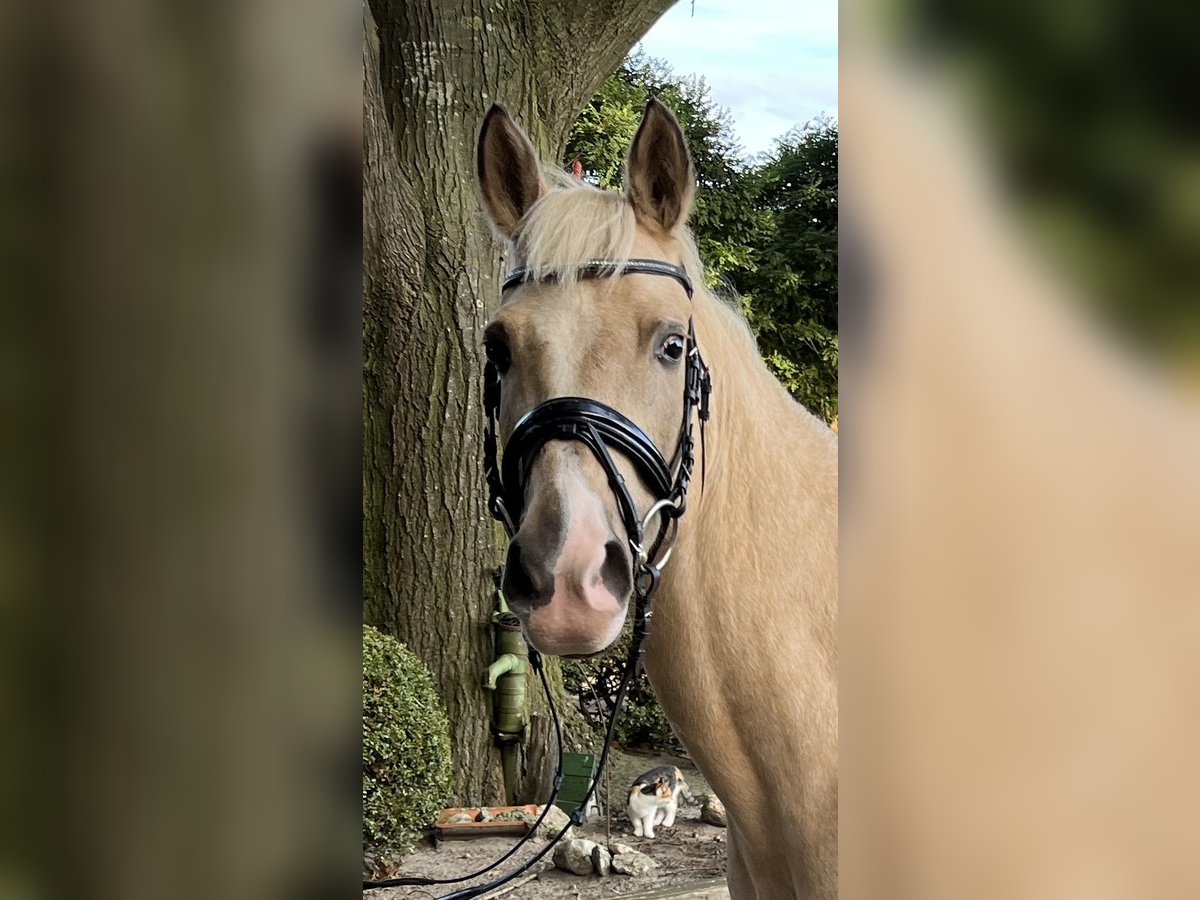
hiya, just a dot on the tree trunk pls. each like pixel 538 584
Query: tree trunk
pixel 539 763
pixel 431 278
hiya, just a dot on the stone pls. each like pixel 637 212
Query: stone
pixel 553 823
pixel 633 863
pixel 459 819
pixel 485 815
pixel 574 856
pixel 601 861
pixel 713 811
pixel 614 848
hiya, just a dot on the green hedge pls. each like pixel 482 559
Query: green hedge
pixel 406 744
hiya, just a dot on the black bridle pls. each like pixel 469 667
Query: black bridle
pixel 598 426
pixel 602 430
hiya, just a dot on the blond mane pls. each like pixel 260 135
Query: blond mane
pixel 576 221
pixel 573 223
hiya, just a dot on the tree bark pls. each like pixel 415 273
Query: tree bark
pixel 431 278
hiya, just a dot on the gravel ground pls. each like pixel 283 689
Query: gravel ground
pixel 691 851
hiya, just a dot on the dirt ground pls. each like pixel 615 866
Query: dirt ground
pixel 690 851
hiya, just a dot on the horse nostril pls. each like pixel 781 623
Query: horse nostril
pixel 520 583
pixel 617 570
pixel 517 584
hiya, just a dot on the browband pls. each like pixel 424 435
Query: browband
pixel 603 268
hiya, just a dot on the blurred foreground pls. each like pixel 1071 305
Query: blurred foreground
pixel 180 517
pixel 1020 429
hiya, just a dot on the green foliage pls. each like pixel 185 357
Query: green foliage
pixel 643 722
pixel 406 743
pixel 768 230
pixel 790 293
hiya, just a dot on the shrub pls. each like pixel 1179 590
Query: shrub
pixel 642 723
pixel 406 744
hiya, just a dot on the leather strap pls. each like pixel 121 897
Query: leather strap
pixel 565 418
pixel 604 268
pixel 597 425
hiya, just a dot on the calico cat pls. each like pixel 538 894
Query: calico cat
pixel 654 798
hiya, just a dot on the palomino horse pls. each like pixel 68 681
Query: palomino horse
pixel 743 653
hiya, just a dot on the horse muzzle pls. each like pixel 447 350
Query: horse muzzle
pixel 567 576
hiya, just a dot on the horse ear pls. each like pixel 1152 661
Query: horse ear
pixel 510 177
pixel 658 177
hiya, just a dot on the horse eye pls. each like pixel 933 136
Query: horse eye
pixel 497 353
pixel 672 349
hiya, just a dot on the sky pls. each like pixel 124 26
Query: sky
pixel 773 63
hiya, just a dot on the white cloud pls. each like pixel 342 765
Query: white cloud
pixel 772 62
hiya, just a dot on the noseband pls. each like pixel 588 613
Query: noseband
pixel 602 430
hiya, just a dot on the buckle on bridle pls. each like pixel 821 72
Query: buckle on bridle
pixel 672 510
pixel 500 512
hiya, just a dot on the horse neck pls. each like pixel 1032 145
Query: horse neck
pixel 743 645
pixel 762 452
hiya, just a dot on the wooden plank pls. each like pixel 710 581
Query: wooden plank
pixel 712 889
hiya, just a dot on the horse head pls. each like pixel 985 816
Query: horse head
pixel 620 344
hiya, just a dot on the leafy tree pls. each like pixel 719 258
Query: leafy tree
pixel 790 293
